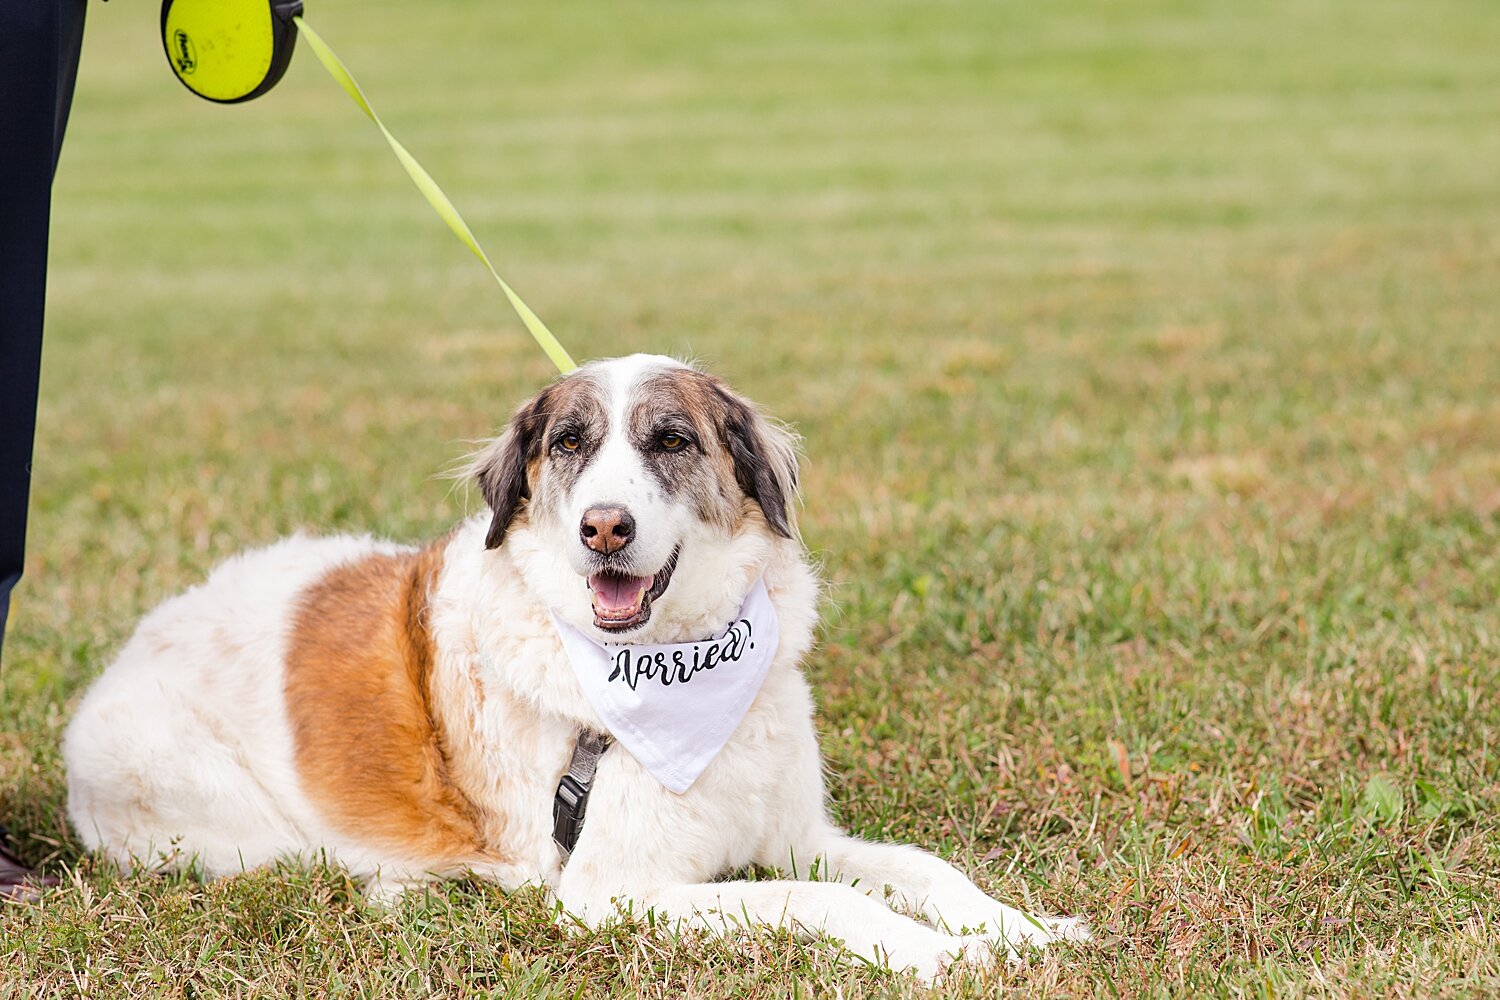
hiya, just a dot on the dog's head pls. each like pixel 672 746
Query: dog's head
pixel 648 481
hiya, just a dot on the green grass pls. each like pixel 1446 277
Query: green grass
pixel 1147 360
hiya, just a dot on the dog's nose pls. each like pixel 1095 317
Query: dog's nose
pixel 607 529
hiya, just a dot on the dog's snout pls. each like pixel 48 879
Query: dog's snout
pixel 606 529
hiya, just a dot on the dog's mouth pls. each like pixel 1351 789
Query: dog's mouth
pixel 623 602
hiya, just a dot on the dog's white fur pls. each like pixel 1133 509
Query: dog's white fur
pixel 183 749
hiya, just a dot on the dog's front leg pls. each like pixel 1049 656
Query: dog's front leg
pixel 922 883
pixel 867 928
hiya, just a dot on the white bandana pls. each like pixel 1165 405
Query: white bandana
pixel 675 705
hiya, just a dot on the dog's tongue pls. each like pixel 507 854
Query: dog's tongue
pixel 618 593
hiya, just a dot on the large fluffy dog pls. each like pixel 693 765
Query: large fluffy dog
pixel 408 712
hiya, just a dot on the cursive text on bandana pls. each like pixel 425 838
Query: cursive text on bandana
pixel 674 705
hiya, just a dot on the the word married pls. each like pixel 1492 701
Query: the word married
pixel 671 666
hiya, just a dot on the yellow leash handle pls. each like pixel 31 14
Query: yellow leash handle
pixel 435 197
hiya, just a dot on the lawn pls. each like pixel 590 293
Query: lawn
pixel 1146 357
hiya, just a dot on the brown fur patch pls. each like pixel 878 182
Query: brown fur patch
pixel 370 747
pixel 753 468
pixel 682 401
pixel 508 470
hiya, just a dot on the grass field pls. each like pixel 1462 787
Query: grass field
pixel 1148 361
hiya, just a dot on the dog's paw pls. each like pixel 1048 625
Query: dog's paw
pixel 1064 929
pixel 932 966
pixel 981 952
pixel 1016 930
pixel 1038 932
pixel 1019 935
pixel 931 956
pixel 976 954
pixel 385 893
pixel 927 969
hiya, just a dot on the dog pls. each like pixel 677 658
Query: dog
pixel 411 712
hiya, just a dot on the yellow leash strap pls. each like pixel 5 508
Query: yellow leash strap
pixel 435 197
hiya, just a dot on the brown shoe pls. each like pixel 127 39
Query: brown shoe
pixel 19 884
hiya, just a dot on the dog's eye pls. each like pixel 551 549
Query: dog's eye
pixel 569 442
pixel 671 442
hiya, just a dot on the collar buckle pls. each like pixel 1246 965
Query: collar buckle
pixel 570 802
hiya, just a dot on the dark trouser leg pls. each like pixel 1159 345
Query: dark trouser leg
pixel 39 44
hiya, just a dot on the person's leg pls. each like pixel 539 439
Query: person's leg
pixel 39 44
pixel 69 45
pixel 39 47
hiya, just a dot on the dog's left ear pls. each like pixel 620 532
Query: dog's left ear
pixel 500 469
pixel 765 460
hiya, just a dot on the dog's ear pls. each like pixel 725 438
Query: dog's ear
pixel 500 468
pixel 765 460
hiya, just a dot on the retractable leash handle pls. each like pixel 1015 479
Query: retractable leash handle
pixel 230 51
